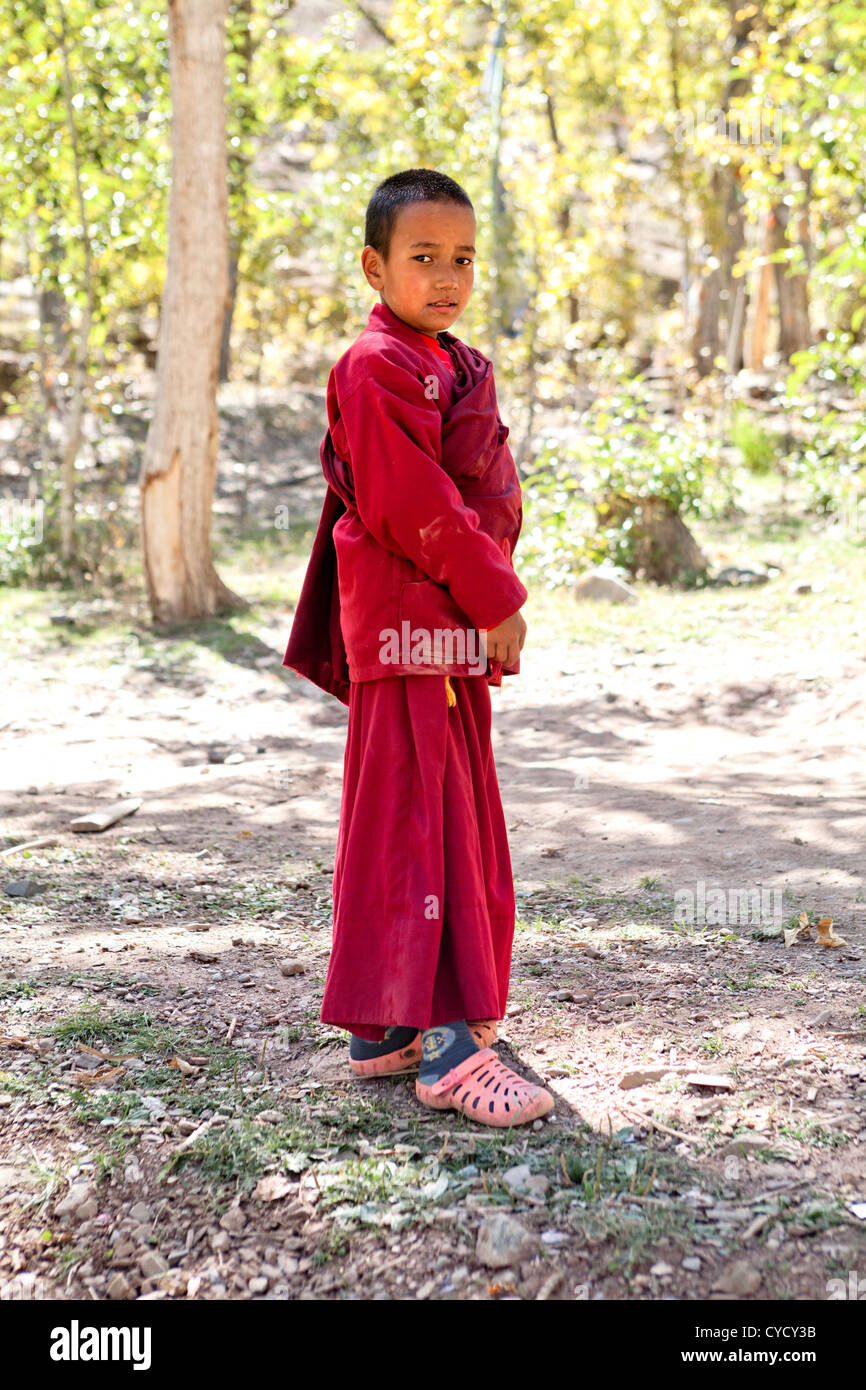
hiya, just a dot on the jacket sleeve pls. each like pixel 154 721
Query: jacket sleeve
pixel 409 503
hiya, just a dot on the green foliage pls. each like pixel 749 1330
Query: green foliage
pixel 831 462
pixel 757 445
pixel 580 498
pixel 30 535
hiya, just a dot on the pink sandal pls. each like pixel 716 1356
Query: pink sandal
pixel 483 1030
pixel 406 1059
pixel 486 1090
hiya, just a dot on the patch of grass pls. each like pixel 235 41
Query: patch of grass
pixel 18 989
pixel 749 983
pixel 332 1245
pixel 99 980
pixel 229 1154
pixel 601 1170
pixel 813 1133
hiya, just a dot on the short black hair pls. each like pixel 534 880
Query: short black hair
pixel 398 191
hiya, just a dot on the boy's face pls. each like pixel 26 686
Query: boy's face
pixel 427 278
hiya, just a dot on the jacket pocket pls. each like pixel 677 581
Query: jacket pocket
pixel 438 632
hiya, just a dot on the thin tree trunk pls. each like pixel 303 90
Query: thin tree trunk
pixel 78 375
pixel 761 313
pixel 795 332
pixel 226 332
pixel 237 173
pixel 725 231
pixel 180 458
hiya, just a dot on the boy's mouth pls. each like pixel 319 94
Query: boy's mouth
pixel 443 304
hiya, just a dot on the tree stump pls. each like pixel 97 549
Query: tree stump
pixel 663 548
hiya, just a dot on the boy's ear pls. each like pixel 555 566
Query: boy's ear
pixel 371 264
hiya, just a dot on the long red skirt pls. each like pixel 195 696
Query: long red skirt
pixel 423 892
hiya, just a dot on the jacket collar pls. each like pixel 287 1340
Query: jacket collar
pixel 384 319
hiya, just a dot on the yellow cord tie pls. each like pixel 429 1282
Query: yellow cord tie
pixel 452 698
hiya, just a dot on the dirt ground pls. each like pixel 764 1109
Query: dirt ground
pixel 175 1123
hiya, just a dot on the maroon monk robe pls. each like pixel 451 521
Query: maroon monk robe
pixel 419 522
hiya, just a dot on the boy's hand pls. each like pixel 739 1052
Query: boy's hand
pixel 505 642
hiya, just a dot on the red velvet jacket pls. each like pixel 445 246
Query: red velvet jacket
pixel 420 519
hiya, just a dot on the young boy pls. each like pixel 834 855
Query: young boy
pixel 411 561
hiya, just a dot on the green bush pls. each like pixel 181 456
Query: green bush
pixel 576 497
pixel 758 446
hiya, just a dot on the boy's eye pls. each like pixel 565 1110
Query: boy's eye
pixel 464 260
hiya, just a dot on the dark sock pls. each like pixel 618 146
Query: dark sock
pixel 360 1050
pixel 443 1047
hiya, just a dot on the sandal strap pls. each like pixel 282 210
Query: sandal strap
pixel 463 1069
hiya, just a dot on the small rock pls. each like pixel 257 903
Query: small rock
pixel 706 1079
pixel 141 1213
pixel 515 1179
pixel 292 967
pixel 743 1144
pixel 661 1270
pixel 502 1241
pixel 78 1194
pixel 623 1001
pixel 426 1289
pixel 23 888
pixel 258 1284
pixel 119 1286
pixel 152 1264
pixel 642 1077
pixel 739 1278
pixel 691 1263
pixel 233 1220
pixel 83 1061
pixel 601 583
pixel 561 994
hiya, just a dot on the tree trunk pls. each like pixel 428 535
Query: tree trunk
pixel 725 230
pixel 78 375
pixel 663 548
pixel 180 457
pixel 226 334
pixel 792 290
pixel 764 279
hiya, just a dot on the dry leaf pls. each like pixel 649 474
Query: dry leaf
pixel 90 1078
pixel 16 1040
pixel 495 1289
pixel 108 1056
pixel 826 935
pixel 804 919
pixel 801 933
pixel 275 1186
pixel 185 1068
